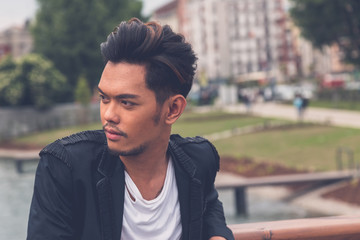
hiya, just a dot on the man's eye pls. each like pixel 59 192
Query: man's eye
pixel 103 98
pixel 127 103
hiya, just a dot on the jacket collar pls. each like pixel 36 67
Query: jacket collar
pixel 111 187
pixel 182 158
pixel 189 190
pixel 110 190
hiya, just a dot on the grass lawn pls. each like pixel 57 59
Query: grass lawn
pixel 311 148
pixel 44 138
pixel 190 124
pixel 197 124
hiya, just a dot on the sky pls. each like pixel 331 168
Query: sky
pixel 15 12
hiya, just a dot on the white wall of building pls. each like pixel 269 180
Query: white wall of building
pixel 236 37
pixel 18 39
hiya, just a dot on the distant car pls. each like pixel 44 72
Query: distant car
pixel 287 93
pixel 284 92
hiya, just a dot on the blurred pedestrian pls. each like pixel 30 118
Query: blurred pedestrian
pixel 305 102
pixel 246 98
pixel 298 103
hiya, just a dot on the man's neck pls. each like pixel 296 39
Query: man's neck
pixel 145 167
pixel 148 171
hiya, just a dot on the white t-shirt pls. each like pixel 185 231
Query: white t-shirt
pixel 156 219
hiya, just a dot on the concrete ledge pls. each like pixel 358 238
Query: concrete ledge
pixel 20 157
pixel 19 154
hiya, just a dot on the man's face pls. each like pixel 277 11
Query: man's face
pixel 131 118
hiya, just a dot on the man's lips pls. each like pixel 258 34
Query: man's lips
pixel 113 135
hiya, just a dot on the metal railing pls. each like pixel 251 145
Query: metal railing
pixel 327 228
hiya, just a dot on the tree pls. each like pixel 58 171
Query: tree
pixel 32 81
pixel 326 22
pixel 83 92
pixel 83 96
pixel 69 33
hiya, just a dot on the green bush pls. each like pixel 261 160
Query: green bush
pixel 31 81
pixel 11 90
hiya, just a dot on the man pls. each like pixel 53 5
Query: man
pixel 132 180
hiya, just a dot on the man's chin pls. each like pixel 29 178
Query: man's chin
pixel 132 152
pixel 113 152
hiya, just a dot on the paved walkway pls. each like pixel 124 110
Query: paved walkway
pixel 335 117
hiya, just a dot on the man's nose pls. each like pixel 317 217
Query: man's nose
pixel 110 113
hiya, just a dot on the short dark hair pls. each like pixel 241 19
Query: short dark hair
pixel 169 60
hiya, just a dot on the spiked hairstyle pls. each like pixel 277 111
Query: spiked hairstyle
pixel 169 61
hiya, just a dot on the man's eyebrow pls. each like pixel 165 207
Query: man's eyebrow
pixel 125 95
pixel 101 91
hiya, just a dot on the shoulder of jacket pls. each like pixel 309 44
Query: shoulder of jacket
pixel 187 140
pixel 205 144
pixel 58 148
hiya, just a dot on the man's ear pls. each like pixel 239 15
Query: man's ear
pixel 176 106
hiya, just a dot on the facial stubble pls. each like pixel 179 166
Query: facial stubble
pixel 141 148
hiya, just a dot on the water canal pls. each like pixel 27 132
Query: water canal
pixel 16 192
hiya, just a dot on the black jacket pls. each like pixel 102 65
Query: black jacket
pixel 79 190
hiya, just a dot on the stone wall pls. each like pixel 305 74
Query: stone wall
pixel 16 122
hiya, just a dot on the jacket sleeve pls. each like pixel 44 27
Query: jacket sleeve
pixel 214 219
pixel 51 214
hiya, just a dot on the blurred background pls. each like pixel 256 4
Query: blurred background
pixel 277 91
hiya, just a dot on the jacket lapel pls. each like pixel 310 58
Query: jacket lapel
pixel 110 189
pixel 190 192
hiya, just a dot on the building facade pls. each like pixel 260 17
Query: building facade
pixel 233 37
pixel 16 41
pixel 246 40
